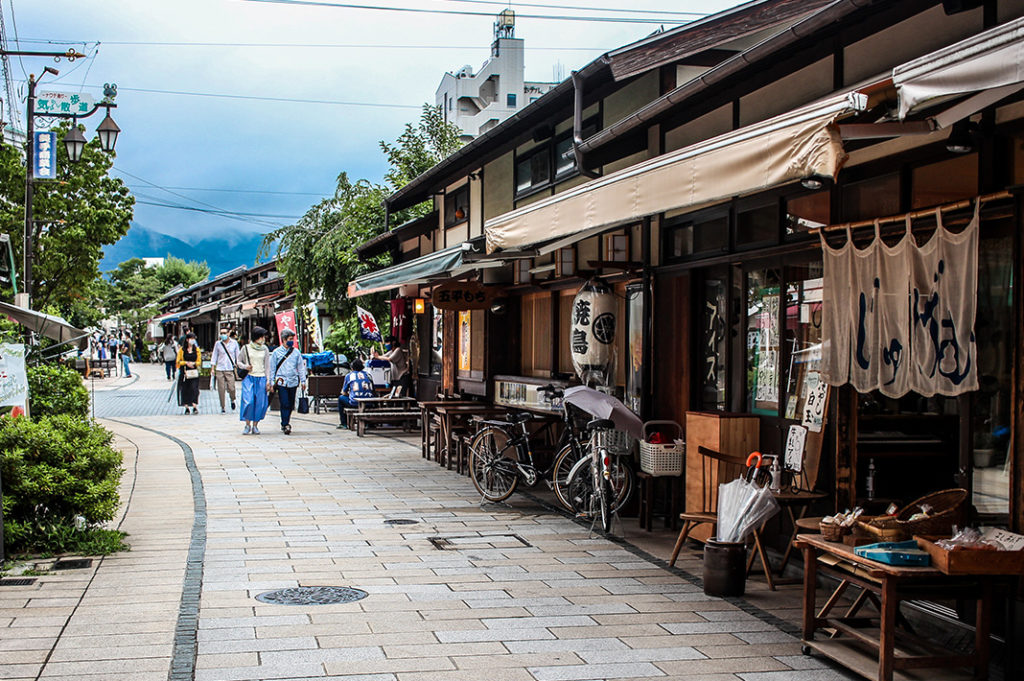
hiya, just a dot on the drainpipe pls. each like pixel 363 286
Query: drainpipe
pixel 577 125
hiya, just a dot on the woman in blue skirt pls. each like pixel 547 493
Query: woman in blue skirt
pixel 254 357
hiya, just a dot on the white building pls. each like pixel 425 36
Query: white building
pixel 476 102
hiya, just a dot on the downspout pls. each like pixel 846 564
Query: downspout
pixel 577 125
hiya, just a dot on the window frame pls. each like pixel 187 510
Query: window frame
pixel 453 198
pixel 549 147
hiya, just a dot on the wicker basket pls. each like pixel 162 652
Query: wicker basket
pixel 947 511
pixel 617 442
pixel 665 458
pixel 832 531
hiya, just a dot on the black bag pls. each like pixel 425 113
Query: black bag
pixel 240 373
pixel 303 405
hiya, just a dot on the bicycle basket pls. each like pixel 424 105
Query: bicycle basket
pixel 617 442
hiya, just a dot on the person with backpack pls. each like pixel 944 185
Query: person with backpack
pixel 358 384
pixel 287 373
pixel 254 360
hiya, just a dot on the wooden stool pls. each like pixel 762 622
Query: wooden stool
pixel 647 484
pixel 433 440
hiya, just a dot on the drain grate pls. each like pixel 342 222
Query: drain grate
pixel 476 541
pixel 17 581
pixel 312 595
pixel 72 564
pixel 400 521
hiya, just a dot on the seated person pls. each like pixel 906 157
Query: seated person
pixel 358 384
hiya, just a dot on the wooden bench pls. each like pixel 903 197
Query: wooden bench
pixel 358 420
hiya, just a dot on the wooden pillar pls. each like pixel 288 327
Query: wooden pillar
pixel 449 355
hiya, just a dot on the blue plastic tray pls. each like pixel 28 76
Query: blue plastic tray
pixel 895 553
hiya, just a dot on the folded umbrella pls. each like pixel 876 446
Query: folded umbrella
pixel 603 406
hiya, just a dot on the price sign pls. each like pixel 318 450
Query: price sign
pixel 795 440
pixel 814 407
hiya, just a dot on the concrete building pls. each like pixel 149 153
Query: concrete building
pixel 476 102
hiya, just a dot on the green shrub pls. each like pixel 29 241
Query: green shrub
pixel 55 389
pixel 55 468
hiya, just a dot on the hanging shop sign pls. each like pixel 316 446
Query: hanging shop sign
pixel 900 319
pixel 401 319
pixel 462 295
pixel 592 335
pixel 311 317
pixel 13 378
pixel 64 103
pixel 285 321
pixel 44 156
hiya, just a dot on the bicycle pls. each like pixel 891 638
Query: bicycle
pixel 500 456
pixel 600 484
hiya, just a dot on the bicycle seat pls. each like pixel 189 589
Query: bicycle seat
pixel 521 417
pixel 601 424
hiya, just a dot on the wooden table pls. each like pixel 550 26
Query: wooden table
pixel 450 414
pixel 426 412
pixel 855 635
pixel 789 501
pixel 370 403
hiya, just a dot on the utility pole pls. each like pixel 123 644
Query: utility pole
pixel 26 295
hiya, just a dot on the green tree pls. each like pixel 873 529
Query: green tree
pixel 178 272
pixel 133 289
pixel 316 255
pixel 75 215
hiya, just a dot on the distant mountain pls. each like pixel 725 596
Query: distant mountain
pixel 220 254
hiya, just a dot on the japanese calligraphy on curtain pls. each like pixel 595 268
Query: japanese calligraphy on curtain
pixel 900 318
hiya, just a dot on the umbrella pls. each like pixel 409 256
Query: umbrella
pixel 742 506
pixel 603 406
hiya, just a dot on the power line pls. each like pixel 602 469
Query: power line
pixel 421 10
pixel 513 5
pixel 216 212
pixel 343 46
pixel 250 191
pixel 224 95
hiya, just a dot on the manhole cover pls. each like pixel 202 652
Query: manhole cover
pixel 72 564
pixel 21 581
pixel 485 541
pixel 400 521
pixel 312 595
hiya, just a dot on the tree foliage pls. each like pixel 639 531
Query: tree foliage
pixel 76 215
pixel 133 289
pixel 316 255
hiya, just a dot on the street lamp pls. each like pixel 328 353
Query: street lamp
pixel 107 132
pixel 74 142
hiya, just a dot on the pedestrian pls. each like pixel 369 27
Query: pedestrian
pixel 126 359
pixel 113 344
pixel 169 355
pixel 287 373
pixel 140 348
pixel 189 360
pixel 401 379
pixel 254 358
pixel 102 347
pixel 358 384
pixel 225 360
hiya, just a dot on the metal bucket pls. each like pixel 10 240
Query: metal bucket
pixel 725 568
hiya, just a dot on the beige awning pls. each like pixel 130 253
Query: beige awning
pixel 51 326
pixel 783 149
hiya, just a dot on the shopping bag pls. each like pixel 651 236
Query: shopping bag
pixel 303 405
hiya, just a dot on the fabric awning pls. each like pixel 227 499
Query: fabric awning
pixel 799 144
pixel 989 60
pixel 50 326
pixel 419 270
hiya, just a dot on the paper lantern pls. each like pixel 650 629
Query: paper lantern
pixel 592 334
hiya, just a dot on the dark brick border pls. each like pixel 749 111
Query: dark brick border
pixel 183 657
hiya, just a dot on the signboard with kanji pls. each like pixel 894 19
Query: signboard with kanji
pixel 44 156
pixel 64 104
pixel 462 295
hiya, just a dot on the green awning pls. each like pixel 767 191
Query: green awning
pixel 421 269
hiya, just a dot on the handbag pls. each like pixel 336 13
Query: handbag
pixel 303 404
pixel 191 373
pixel 240 373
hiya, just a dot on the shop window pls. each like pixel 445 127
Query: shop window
pixel 510 100
pixel 807 212
pixel 533 171
pixel 697 237
pixel 871 198
pixel 565 159
pixel 758 226
pixel 714 344
pixel 802 335
pixel 565 261
pixel 456 206
pixel 521 271
pixel 944 182
pixel 763 342
pixel 616 247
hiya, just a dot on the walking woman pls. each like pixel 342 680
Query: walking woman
pixel 254 358
pixel 189 361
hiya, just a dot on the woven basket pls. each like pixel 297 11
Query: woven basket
pixel 947 511
pixel 662 459
pixel 832 532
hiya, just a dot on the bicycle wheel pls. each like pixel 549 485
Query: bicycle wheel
pixel 622 481
pixel 492 464
pixel 564 462
pixel 604 497
pixel 579 488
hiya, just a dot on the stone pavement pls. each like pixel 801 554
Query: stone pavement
pixel 497 592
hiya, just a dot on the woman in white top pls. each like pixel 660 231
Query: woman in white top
pixel 254 357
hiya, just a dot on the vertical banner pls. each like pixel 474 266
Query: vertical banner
pixel 285 320
pixel 465 340
pixel 401 319
pixel 13 378
pixel 44 156
pixel 311 316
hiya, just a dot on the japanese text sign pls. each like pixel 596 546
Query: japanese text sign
pixel 44 156
pixel 285 322
pixel 461 296
pixel 64 104
pixel 13 379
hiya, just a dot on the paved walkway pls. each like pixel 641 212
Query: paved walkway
pixel 494 592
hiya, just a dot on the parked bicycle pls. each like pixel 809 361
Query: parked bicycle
pixel 500 457
pixel 599 484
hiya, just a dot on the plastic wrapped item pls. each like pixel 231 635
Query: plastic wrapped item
pixel 969 538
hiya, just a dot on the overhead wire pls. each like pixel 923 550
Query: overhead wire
pixel 424 10
pixel 345 46
pixel 249 191
pixel 224 95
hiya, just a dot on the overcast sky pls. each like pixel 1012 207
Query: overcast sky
pixel 193 144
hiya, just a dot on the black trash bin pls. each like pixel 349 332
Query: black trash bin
pixel 725 568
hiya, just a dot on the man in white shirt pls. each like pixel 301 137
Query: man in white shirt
pixel 224 359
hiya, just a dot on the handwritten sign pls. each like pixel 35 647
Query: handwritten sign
pixel 461 296
pixel 1010 540
pixel 814 406
pixel 13 379
pixel 794 460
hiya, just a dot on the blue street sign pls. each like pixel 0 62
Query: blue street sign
pixel 44 156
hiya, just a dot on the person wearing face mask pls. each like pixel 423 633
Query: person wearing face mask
pixel 225 358
pixel 287 373
pixel 189 361
pixel 255 359
pixel 401 379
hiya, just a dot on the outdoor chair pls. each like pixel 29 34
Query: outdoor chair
pixel 714 467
